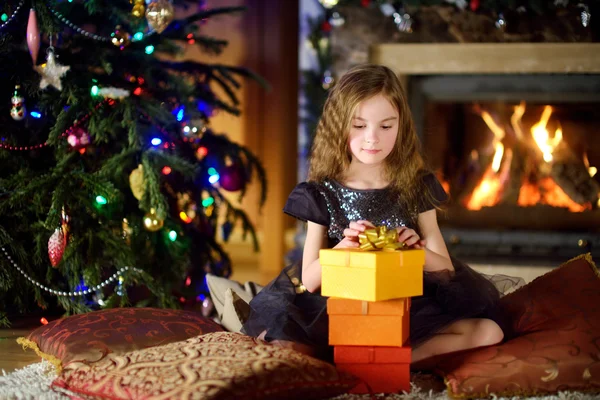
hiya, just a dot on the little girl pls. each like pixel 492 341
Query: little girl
pixel 365 171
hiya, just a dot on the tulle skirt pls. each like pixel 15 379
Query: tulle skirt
pixel 447 297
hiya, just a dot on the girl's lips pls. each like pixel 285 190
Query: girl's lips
pixel 371 151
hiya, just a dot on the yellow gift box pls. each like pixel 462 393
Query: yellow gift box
pixel 371 275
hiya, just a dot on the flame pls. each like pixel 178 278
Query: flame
pixel 487 193
pixel 515 120
pixel 496 130
pixel 546 191
pixel 542 138
pixel 591 170
pixel 497 156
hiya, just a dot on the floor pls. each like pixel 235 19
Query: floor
pixel 245 262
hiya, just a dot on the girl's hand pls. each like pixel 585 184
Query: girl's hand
pixel 410 238
pixel 355 229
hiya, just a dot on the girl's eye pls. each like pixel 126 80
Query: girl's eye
pixel 358 126
pixel 386 127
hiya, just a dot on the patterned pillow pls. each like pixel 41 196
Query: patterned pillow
pixel 222 365
pixel 90 337
pixel 553 345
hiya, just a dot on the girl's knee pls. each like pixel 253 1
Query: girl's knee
pixel 486 332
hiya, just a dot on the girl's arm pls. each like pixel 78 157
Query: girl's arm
pixel 316 239
pixel 437 257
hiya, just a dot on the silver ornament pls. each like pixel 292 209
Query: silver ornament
pixel 336 20
pixel 327 80
pixel 501 22
pixel 403 21
pixel 586 16
pixel 51 72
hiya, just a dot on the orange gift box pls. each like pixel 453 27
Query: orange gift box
pixel 368 323
pixel 380 369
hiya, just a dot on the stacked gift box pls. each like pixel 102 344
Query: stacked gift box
pixel 369 313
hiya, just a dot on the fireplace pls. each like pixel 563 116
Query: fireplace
pixel 518 156
pixel 517 149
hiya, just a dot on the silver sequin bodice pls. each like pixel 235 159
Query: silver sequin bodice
pixel 379 206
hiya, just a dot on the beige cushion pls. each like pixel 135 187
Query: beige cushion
pixel 217 287
pixel 235 311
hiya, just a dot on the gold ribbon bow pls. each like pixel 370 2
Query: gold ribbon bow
pixel 379 238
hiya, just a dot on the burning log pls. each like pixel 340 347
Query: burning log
pixel 575 180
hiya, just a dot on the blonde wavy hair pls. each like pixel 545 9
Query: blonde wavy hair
pixel 330 155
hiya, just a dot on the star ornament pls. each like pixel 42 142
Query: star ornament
pixel 51 72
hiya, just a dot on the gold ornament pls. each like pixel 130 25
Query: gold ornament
pixel 120 38
pixel 159 14
pixel 127 231
pixel 152 222
pixel 136 182
pixel 138 9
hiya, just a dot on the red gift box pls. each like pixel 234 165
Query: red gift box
pixel 380 369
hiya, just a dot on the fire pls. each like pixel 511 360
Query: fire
pixel 515 120
pixel 546 191
pixel 487 193
pixel 542 138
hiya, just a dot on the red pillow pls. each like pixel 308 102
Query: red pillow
pixel 91 336
pixel 553 346
pixel 220 365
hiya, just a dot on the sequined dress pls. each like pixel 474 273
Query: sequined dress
pixel 302 317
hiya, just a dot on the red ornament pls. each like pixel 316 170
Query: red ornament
pixel 326 26
pixel 365 3
pixel 78 138
pixel 232 178
pixel 56 246
pixel 474 5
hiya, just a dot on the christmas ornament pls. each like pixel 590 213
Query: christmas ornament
pixel 113 93
pixel 328 3
pixel 336 19
pixel 403 22
pixel 159 14
pixel 56 246
pixel 232 178
pixel 136 182
pixel 126 231
pixel 585 14
pixel 139 8
pixel 402 19
pixel 78 138
pixel 152 222
pixel 58 241
pixel 17 111
pixel 33 36
pixel 365 3
pixel 120 38
pixel 51 71
pixel 327 80
pixel 326 27
pixel 474 5
pixel 501 22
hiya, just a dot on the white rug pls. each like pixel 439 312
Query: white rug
pixel 33 383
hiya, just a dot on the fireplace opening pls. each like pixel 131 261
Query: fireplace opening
pixel 519 156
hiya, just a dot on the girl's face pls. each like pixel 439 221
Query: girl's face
pixel 373 131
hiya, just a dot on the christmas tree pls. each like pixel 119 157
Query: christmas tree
pixel 112 182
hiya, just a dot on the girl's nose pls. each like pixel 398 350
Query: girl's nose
pixel 370 136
